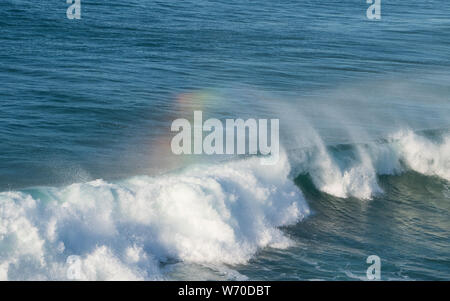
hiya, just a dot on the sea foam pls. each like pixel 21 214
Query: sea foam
pixel 212 214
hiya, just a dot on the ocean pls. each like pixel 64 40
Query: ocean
pixel 89 187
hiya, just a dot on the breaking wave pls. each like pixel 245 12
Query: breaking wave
pixel 216 214
pixel 212 215
pixel 351 170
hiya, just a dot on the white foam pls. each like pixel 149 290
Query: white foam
pixel 217 214
pixel 424 155
pixel 342 176
pixel 357 179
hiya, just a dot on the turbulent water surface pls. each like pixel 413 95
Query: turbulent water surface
pixel 86 168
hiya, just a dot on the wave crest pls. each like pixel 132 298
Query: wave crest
pixel 351 170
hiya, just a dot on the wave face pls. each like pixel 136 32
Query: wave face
pixel 218 214
pixel 351 170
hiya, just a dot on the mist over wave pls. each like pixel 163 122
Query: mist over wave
pixel 208 216
pixel 86 167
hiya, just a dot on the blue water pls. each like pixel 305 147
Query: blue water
pixel 94 98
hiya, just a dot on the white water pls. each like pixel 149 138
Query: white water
pixel 343 176
pixel 216 214
pixel 209 215
pixel 423 155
